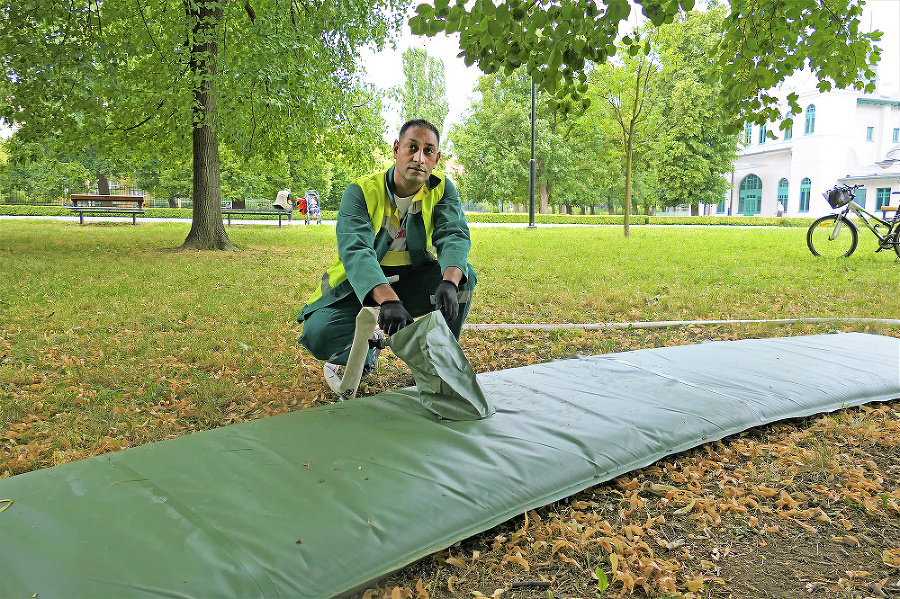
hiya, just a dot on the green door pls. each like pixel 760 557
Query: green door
pixel 750 195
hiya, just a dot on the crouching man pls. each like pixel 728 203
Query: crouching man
pixel 403 245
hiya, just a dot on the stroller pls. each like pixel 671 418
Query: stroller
pixel 312 211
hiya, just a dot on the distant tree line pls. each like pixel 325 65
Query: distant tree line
pixel 653 131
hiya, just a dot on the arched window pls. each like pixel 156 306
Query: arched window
pixel 783 193
pixel 789 132
pixel 749 195
pixel 810 120
pixel 805 186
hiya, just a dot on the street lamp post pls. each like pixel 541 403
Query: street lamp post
pixel 531 224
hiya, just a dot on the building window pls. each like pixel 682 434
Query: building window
pixel 860 196
pixel 762 134
pixel 810 120
pixel 870 133
pixel 896 135
pixel 882 197
pixel 805 186
pixel 783 193
pixel 748 134
pixel 789 132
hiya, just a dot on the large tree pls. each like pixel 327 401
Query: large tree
pixel 695 147
pixel 491 142
pixel 764 42
pixel 179 76
pixel 493 146
pixel 423 94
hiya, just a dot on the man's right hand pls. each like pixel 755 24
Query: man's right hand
pixel 393 317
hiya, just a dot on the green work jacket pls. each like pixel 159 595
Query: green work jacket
pixel 438 232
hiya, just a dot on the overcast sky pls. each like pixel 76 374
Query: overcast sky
pixel 385 69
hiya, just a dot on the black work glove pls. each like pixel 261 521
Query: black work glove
pixel 393 316
pixel 446 301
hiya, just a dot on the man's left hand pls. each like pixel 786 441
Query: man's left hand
pixel 446 301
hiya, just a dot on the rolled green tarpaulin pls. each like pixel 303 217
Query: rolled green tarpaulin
pixel 445 380
pixel 327 500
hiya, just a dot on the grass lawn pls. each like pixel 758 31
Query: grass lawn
pixel 109 338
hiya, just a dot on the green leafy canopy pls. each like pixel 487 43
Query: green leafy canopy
pixel 764 42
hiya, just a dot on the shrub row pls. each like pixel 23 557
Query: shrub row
pixel 480 217
pixel 185 213
pixel 638 219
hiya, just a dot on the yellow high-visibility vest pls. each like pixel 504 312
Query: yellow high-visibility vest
pixel 381 209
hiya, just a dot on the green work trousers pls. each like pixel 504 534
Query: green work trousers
pixel 328 331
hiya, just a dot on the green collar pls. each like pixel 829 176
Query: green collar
pixel 433 181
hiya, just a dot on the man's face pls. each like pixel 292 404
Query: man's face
pixel 416 154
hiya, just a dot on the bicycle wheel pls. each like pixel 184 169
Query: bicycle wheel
pixel 832 236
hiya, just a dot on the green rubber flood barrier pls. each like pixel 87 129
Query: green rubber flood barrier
pixel 326 501
pixel 445 380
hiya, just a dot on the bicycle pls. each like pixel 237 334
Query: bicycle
pixel 836 236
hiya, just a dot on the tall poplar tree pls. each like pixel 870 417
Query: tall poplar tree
pixel 423 94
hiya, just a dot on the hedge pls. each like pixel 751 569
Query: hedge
pixel 183 213
pixel 480 217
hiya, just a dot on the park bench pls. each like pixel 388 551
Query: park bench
pixel 240 209
pixel 107 204
pixel 886 209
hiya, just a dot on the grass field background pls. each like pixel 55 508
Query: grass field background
pixel 110 338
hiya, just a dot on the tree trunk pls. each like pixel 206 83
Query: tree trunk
pixel 207 229
pixel 629 147
pixel 102 184
pixel 545 197
pixel 695 209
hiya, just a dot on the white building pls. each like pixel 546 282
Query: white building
pixel 842 137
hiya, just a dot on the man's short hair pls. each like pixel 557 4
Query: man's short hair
pixel 420 123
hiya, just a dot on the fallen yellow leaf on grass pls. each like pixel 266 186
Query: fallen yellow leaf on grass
pixel 626 579
pixel 695 583
pixel 517 559
pixel 687 508
pixel 891 558
pixel 494 595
